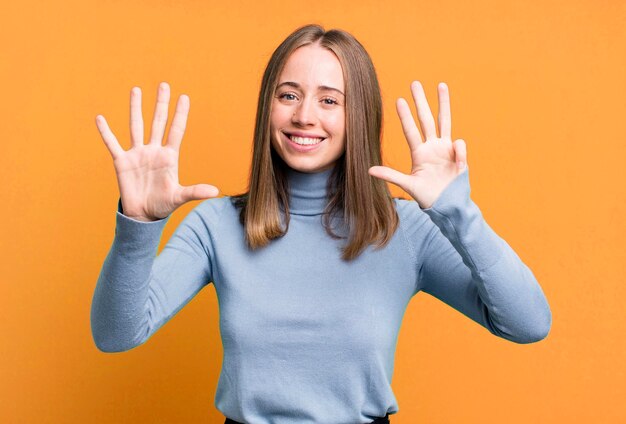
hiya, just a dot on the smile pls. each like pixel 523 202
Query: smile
pixel 305 141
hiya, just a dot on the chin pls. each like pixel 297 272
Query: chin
pixel 303 164
pixel 309 168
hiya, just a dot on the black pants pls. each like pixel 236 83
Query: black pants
pixel 381 420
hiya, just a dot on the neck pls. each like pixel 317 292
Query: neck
pixel 308 191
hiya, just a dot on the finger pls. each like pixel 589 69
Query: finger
pixel 179 123
pixel 390 175
pixel 198 192
pixel 160 114
pixel 425 116
pixel 109 139
pixel 411 132
pixel 445 120
pixel 460 150
pixel 136 118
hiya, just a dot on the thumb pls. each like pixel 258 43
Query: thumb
pixel 390 175
pixel 198 192
pixel 460 150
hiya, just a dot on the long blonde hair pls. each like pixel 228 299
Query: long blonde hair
pixel 363 202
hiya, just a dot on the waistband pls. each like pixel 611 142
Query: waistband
pixel 380 420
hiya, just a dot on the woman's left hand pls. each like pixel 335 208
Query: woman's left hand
pixel 436 161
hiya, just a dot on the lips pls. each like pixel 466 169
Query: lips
pixel 304 139
pixel 302 134
pixel 303 144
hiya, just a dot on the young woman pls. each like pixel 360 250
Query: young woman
pixel 315 264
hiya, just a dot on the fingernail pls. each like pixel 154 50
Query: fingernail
pixel 460 164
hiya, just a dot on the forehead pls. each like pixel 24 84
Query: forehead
pixel 312 66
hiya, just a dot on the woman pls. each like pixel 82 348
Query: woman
pixel 315 265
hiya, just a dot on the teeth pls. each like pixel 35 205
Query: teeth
pixel 305 140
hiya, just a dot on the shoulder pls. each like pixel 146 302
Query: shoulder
pixel 413 219
pixel 216 208
pixel 209 219
pixel 408 210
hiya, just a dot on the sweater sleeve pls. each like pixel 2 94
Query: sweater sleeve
pixel 469 267
pixel 137 291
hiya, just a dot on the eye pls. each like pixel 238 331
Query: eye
pixel 287 96
pixel 329 101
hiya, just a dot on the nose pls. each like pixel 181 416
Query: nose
pixel 304 114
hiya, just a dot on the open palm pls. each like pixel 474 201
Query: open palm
pixel 147 174
pixel 434 162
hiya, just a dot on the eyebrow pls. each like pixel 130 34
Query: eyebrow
pixel 321 87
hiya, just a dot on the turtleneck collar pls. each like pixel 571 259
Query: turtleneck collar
pixel 308 191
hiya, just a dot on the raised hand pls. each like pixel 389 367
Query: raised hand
pixel 147 174
pixel 436 161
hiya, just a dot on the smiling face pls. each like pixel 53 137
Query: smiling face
pixel 307 121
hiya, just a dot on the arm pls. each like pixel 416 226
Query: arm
pixel 136 292
pixel 469 267
pixel 466 265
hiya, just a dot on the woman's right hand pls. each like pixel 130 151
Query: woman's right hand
pixel 147 174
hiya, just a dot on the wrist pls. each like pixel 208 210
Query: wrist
pixel 141 218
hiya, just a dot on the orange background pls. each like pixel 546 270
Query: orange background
pixel 537 92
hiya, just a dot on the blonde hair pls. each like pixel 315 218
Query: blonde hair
pixel 363 202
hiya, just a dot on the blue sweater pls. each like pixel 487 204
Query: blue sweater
pixel 307 337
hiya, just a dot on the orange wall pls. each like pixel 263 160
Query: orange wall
pixel 537 92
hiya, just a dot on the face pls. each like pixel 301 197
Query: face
pixel 307 121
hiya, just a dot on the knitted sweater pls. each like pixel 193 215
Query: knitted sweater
pixel 308 337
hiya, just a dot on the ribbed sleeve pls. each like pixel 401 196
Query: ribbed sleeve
pixel 469 267
pixel 138 291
